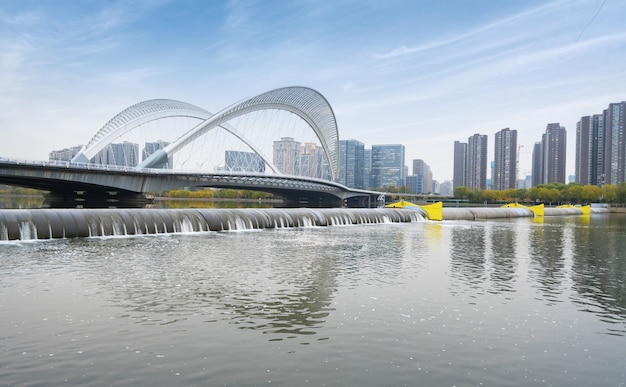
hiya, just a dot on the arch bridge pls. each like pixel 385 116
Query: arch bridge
pixel 83 181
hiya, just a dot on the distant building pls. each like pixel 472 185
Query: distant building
pixel 505 160
pixel 124 154
pixel 445 188
pixel 614 144
pixel 476 164
pixel 367 168
pixel 66 154
pixel 352 164
pixel 286 155
pixel 553 147
pixel 311 161
pixel 387 165
pixel 411 182
pixel 537 162
pixel 601 147
pixel 460 160
pixel 237 161
pixel 589 163
pixel 435 187
pixel 422 178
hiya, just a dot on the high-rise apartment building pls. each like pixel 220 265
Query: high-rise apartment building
pixel 286 155
pixel 589 162
pixel 476 162
pixel 614 150
pixel 311 160
pixel 387 165
pixel 553 146
pixel 351 164
pixel 460 160
pixel 505 160
pixel 537 161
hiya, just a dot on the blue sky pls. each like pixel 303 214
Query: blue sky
pixel 420 73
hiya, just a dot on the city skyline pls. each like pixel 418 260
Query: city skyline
pixel 470 159
pixel 428 73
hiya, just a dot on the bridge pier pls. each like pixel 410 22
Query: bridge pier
pixel 97 199
pixel 314 201
pixel 363 202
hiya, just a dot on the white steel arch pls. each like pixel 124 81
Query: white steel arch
pixel 134 116
pixel 147 111
pixel 307 103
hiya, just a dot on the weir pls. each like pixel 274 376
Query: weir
pixel 71 223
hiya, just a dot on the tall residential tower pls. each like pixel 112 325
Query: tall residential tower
pixel 505 160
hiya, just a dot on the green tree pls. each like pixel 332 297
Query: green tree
pixel 533 194
pixel 609 191
pixel 553 195
pixel 591 193
pixel 620 195
pixel 521 194
pixel 492 196
pixel 462 192
pixel 227 194
pixel 573 193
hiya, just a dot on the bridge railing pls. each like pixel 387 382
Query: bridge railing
pixel 161 171
pixel 296 182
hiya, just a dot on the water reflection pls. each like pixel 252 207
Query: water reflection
pixel 254 288
pixel 214 204
pixel 322 300
pixel 547 262
pixel 503 257
pixel 25 202
pixel 468 254
pixel 484 256
pixel 598 275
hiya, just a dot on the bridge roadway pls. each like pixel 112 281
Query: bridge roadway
pixel 93 185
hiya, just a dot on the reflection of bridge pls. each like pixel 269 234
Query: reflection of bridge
pixel 103 185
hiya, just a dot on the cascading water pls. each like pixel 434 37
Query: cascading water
pixel 70 223
pixel 28 231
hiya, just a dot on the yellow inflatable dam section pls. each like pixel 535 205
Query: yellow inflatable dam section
pixel 434 211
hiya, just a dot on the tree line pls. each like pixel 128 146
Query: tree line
pixel 553 193
pixel 208 193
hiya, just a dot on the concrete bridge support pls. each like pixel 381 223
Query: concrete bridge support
pixel 97 199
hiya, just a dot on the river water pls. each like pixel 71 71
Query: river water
pixel 453 303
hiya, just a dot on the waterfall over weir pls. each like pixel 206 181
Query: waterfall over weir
pixel 71 223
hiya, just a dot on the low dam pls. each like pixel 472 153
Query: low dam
pixel 32 224
pixel 476 213
pixel 71 223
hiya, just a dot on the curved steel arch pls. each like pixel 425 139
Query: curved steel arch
pixel 147 111
pixel 307 103
pixel 134 116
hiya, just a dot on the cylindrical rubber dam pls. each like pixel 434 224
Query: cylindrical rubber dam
pixel 72 223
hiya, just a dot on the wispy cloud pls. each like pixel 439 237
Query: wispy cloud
pixel 404 50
